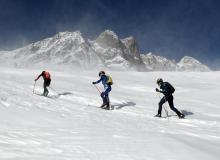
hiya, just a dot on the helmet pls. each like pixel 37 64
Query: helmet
pixel 159 80
pixel 101 73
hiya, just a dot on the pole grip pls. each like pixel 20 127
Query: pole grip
pixel 166 111
pixel 34 87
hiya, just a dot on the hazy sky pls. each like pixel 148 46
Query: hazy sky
pixel 171 28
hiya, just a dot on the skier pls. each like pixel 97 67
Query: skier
pixel 107 82
pixel 47 79
pixel 167 89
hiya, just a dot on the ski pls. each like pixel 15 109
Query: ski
pixel 51 97
pixel 90 105
pixel 165 117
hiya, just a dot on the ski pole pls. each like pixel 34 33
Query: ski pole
pixel 97 88
pixel 166 111
pixel 34 87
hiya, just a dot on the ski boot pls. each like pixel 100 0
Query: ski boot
pixel 103 105
pixel 107 107
pixel 181 115
pixel 45 94
pixel 158 115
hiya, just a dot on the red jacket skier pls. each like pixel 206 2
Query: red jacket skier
pixel 47 79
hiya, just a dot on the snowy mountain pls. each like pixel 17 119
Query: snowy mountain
pixel 107 51
pixel 158 63
pixel 65 48
pixel 190 64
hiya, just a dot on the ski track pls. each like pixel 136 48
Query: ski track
pixel 69 125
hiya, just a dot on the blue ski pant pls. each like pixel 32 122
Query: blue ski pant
pixel 105 94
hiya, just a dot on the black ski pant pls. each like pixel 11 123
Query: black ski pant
pixel 170 102
pixel 46 84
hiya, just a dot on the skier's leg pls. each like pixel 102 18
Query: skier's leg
pixel 46 92
pixel 45 88
pixel 106 97
pixel 162 101
pixel 48 82
pixel 107 102
pixel 170 101
pixel 47 85
pixel 103 99
pixel 107 91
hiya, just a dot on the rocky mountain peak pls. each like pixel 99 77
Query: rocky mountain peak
pixel 108 39
pixel 132 46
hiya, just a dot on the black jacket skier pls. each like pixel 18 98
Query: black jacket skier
pixel 167 89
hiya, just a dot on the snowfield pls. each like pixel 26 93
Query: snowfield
pixel 68 125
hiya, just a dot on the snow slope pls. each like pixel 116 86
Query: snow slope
pixel 69 126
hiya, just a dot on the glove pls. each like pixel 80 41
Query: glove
pixel 93 83
pixel 157 90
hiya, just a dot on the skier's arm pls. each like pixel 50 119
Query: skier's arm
pixel 98 80
pixel 161 90
pixel 39 76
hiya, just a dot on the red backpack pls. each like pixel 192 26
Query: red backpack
pixel 47 75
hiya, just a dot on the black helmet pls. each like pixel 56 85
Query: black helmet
pixel 101 73
pixel 159 80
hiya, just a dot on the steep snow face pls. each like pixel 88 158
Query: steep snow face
pixel 109 39
pixel 158 63
pixel 190 64
pixel 65 48
pixel 132 53
pixel 132 46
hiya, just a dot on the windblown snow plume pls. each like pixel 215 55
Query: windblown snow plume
pixel 65 48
